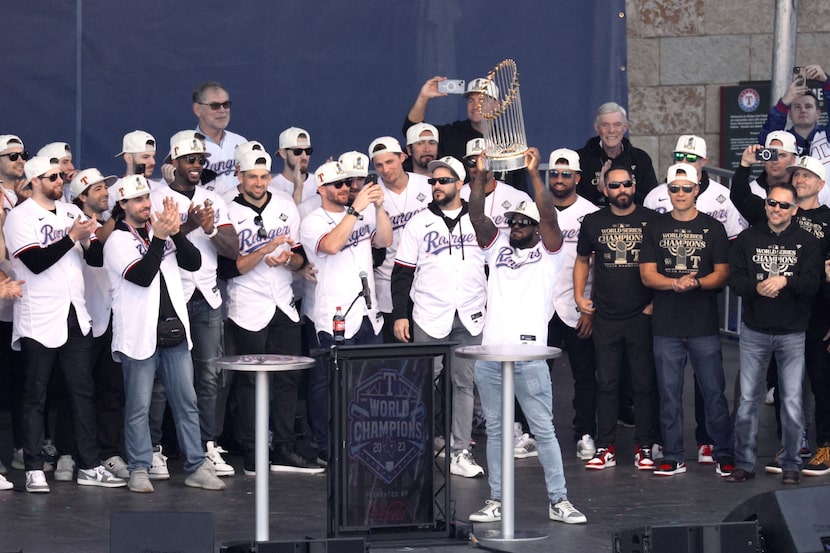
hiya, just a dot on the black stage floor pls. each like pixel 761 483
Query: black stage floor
pixel 76 519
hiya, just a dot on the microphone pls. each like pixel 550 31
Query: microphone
pixel 367 294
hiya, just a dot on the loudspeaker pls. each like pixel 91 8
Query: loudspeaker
pixel 138 532
pixel 792 521
pixel 308 545
pixel 738 537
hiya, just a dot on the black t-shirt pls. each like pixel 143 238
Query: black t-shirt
pixel 679 248
pixel 618 292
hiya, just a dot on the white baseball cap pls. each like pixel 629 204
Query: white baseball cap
pixel 290 137
pixel 137 142
pixel 254 159
pixel 38 166
pixel 571 159
pixel 328 173
pixel 55 150
pixel 354 164
pixel 474 147
pixel 787 140
pixel 481 84
pixel 245 147
pixel 86 178
pixel 132 186
pixel 188 146
pixel 185 135
pixel 526 208
pixel 691 144
pixel 10 141
pixel 383 145
pixel 413 133
pixel 450 163
pixel 689 170
pixel 810 164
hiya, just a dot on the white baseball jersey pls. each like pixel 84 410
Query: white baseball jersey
pixel 254 297
pixel 205 278
pixel 713 201
pixel 9 199
pixel 502 199
pixel 221 161
pixel 282 184
pixel 7 305
pixel 338 279
pixel 401 208
pixel 570 221
pixel 135 309
pixel 42 311
pixel 98 294
pixel 757 189
pixel 820 149
pixel 449 273
pixel 520 292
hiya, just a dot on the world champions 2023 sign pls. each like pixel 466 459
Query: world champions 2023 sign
pixel 388 442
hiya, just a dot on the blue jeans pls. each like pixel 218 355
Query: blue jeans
pixel 756 349
pixel 704 353
pixel 175 369
pixel 206 333
pixel 532 386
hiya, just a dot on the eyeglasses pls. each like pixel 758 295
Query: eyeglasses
pixel 299 151
pixel 441 180
pixel 51 178
pixel 261 232
pixel 521 223
pixel 565 174
pixel 680 156
pixel 14 156
pixel 776 203
pixel 216 105
pixel 687 188
pixel 340 184
pixel 616 184
pixel 196 159
pixel 470 161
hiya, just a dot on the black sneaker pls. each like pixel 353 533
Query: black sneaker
pixel 774 467
pixel 286 459
pixel 249 462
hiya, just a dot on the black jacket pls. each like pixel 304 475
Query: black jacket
pixel 591 159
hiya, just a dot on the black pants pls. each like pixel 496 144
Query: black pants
pixel 109 396
pixel 11 369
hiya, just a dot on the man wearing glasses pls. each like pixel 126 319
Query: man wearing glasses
pixel 776 267
pixel 262 316
pixel 212 107
pixel 205 222
pixel 12 159
pixel 621 307
pixel 295 180
pixel 684 259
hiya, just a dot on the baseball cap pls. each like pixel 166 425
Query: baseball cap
pixel 571 158
pixel 245 147
pixel 786 139
pixel 691 173
pixel 354 164
pixel 132 186
pixel 86 178
pixel 383 145
pixel 186 135
pixel 450 163
pixel 38 166
pixel 328 173
pixel 9 141
pixel 290 137
pixel 474 147
pixel 188 146
pixel 809 163
pixel 413 133
pixel 482 85
pixel 691 144
pixel 137 142
pixel 55 150
pixel 526 208
pixel 254 159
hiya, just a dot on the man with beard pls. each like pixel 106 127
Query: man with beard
pixel 422 147
pixel 12 159
pixel 610 146
pixel 212 106
pixel 205 222
pixel 49 241
pixel 621 308
pixel 404 195
pixel 523 277
pixel 295 180
pixel 439 266
pixel 61 153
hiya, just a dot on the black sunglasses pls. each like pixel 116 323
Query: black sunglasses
pixel 521 223
pixel 441 180
pixel 261 232
pixel 687 188
pixel 51 178
pixel 776 203
pixel 470 161
pixel 216 105
pixel 201 160
pixel 616 184
pixel 340 184
pixel 14 156
pixel 299 151
pixel 565 174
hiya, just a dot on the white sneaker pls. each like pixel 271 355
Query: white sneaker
pixel 565 512
pixel 769 399
pixel 117 466
pixel 65 471
pixel 36 482
pixel 525 447
pixel 17 459
pixel 158 468
pixel 491 512
pixel 585 448
pixel 99 476
pixel 463 464
pixel 5 484
pixel 212 454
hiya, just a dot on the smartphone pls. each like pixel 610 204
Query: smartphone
pixel 798 77
pixel 451 86
pixel 766 154
pixel 139 169
pixel 371 179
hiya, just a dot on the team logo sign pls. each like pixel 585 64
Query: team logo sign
pixel 749 100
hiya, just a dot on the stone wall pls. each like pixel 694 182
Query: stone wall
pixel 680 52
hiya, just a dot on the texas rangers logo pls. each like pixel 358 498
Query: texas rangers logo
pixel 749 100
pixel 387 427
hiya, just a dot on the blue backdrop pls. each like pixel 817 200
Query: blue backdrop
pixel 88 71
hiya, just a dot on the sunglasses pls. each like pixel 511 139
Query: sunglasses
pixel 261 232
pixel 196 159
pixel 616 184
pixel 470 161
pixel 565 174
pixel 299 151
pixel 216 105
pixel 441 180
pixel 14 156
pixel 340 184
pixel 521 223
pixel 680 156
pixel 776 203
pixel 687 188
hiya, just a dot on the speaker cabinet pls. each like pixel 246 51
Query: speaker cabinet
pixel 738 537
pixel 138 532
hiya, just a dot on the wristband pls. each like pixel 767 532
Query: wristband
pixel 213 233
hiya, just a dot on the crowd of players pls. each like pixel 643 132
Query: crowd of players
pixel 118 292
